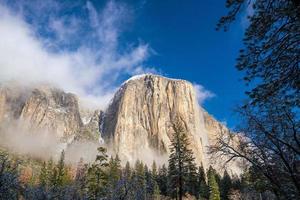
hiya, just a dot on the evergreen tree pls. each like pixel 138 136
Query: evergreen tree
pixel 192 179
pixel 225 186
pixel 203 190
pixel 154 170
pixel 50 171
pixel 270 63
pixel 114 177
pixel 97 177
pixel 9 178
pixel 127 171
pixel 140 181
pixel 182 168
pixel 61 172
pixel 156 192
pixel 153 191
pixel 114 170
pixel 43 178
pixel 127 192
pixel 214 193
pixel 149 182
pixel 162 180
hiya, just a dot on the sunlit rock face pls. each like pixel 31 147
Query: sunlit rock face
pixel 52 109
pixel 138 120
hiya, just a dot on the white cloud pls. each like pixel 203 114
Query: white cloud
pixel 202 94
pixel 90 69
pixel 80 54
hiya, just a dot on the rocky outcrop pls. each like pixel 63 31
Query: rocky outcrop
pixel 45 108
pixel 54 110
pixel 91 129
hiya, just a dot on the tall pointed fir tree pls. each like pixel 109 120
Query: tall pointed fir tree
pixel 162 180
pixel 156 190
pixel 140 181
pixel 225 185
pixel 203 191
pixel 214 193
pixel 114 176
pixel 127 182
pixel 61 172
pixel 97 176
pixel 182 169
pixel 43 175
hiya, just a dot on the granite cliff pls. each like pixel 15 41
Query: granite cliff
pixel 136 124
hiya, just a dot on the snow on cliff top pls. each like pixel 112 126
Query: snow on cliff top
pixel 140 76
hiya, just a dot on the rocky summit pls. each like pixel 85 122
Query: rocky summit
pixel 136 124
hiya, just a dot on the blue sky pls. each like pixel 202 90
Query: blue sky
pixel 188 46
pixel 91 47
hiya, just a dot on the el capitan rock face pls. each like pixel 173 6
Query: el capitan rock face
pixel 138 120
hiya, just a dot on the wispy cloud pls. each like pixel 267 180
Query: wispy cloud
pixel 81 51
pixel 202 94
pixel 80 54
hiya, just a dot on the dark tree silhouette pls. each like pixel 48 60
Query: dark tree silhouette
pixel 270 57
pixel 270 127
pixel 181 162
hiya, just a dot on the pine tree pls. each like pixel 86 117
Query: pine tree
pixel 114 170
pixel 43 178
pixel 192 179
pixel 182 167
pixel 214 193
pixel 127 171
pixel 225 186
pixel 140 181
pixel 61 172
pixel 114 176
pixel 154 170
pixel 9 178
pixel 97 177
pixel 162 180
pixel 50 171
pixel 149 182
pixel 156 191
pixel 203 190
pixel 127 192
